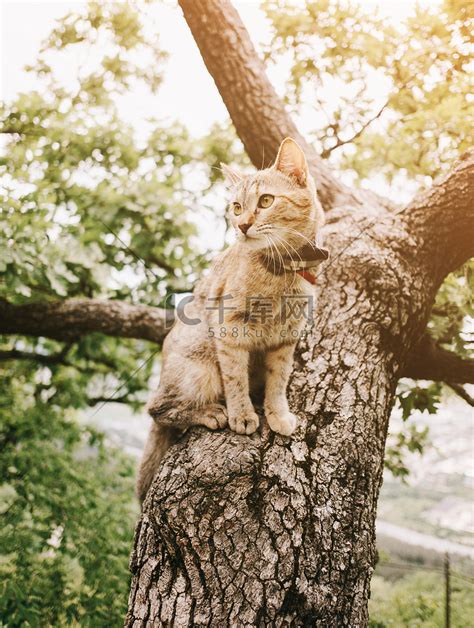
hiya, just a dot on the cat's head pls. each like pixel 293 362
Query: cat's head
pixel 276 208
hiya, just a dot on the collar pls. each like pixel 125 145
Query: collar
pixel 302 262
pixel 306 274
pixel 307 258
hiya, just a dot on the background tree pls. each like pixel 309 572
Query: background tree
pixel 420 117
pixel 89 211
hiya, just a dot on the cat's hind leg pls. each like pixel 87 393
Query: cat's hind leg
pixel 179 404
pixel 190 392
pixel 183 414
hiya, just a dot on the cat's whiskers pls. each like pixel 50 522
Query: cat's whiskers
pixel 298 233
pixel 271 251
pixel 282 260
pixel 286 242
pixel 275 230
pixel 269 239
pixel 278 252
pixel 283 242
pixel 267 229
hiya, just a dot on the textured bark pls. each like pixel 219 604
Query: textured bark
pixel 70 320
pixel 442 220
pixel 265 530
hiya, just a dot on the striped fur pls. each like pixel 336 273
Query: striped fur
pixel 213 369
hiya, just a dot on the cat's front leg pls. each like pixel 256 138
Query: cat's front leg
pixel 234 364
pixel 278 363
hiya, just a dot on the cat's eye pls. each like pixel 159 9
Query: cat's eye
pixel 265 200
pixel 237 209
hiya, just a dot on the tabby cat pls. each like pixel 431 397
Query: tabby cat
pixel 236 336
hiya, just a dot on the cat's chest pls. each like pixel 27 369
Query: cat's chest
pixel 272 317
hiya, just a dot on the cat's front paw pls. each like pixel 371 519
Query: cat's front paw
pixel 213 416
pixel 282 423
pixel 244 423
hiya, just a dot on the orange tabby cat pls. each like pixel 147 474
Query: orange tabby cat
pixel 238 333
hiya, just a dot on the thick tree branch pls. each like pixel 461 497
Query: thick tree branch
pixel 442 219
pixel 430 361
pixel 72 319
pixel 15 354
pixel 258 114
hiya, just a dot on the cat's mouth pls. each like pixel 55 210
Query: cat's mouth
pixel 252 239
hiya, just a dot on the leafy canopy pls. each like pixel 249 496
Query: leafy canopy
pixel 89 207
pixel 344 54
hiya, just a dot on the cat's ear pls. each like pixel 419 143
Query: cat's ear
pixel 291 161
pixel 231 176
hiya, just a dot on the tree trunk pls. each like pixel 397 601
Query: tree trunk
pixel 268 530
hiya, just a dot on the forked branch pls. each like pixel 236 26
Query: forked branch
pixel 430 361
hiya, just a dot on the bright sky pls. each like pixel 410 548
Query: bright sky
pixel 188 93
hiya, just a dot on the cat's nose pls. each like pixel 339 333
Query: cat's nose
pixel 245 226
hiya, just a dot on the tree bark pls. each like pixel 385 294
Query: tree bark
pixel 72 319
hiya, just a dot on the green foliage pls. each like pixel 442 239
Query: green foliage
pixel 417 600
pixel 83 201
pixel 340 49
pixel 422 398
pixel 89 207
pixel 453 311
pixel 411 439
pixel 67 511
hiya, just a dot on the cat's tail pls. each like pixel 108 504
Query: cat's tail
pixel 160 439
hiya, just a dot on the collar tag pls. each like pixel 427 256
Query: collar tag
pixel 307 275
